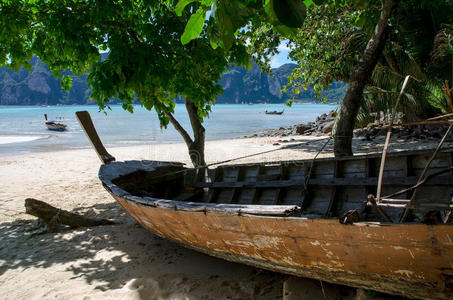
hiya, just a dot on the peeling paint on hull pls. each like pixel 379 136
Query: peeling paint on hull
pixel 411 260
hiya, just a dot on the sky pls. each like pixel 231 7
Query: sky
pixel 282 57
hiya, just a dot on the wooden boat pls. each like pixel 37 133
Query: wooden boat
pixel 55 125
pixel 306 218
pixel 274 112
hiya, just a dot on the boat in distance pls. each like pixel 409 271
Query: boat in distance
pixel 55 125
pixel 274 112
pixel 309 218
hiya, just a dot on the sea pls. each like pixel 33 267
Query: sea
pixel 22 128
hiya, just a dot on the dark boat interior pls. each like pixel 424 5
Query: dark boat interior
pixel 326 187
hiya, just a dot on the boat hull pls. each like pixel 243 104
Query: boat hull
pixel 410 260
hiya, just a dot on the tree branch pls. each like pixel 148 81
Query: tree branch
pixel 180 129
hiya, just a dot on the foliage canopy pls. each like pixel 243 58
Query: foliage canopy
pixel 146 59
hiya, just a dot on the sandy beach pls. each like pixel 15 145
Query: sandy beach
pixel 122 261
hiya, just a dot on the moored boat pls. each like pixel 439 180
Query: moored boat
pixel 55 125
pixel 274 112
pixel 309 218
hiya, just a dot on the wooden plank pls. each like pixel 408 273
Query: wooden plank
pixel 440 180
pixel 355 157
pixel 235 193
pixel 279 192
pixel 213 193
pixel 409 172
pixel 451 161
pixel 337 172
pixel 370 167
pixel 88 127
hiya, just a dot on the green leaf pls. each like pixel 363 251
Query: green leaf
pixel 308 3
pixel 360 21
pixel 207 3
pixel 214 45
pixel 181 5
pixel 320 2
pixel 290 12
pixel 194 26
pixel 225 27
pixel 66 83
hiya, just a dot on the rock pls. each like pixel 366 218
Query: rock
pixel 328 127
pixel 332 114
pixel 301 128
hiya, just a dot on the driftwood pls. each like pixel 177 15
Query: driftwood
pixel 53 217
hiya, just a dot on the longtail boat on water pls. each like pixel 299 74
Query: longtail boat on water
pixel 320 218
pixel 274 112
pixel 55 125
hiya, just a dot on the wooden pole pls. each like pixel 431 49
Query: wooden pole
pixel 88 127
pixel 389 133
pixel 440 117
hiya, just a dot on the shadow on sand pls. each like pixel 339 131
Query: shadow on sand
pixel 107 257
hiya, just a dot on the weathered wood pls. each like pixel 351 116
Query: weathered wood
pixel 434 206
pixel 306 243
pixel 419 183
pixel 49 213
pixel 441 180
pixel 387 140
pixel 321 249
pixel 87 125
pixel 337 172
pixel 213 193
pixel 428 164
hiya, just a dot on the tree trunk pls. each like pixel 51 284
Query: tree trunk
pixel 196 148
pixel 195 145
pixel 358 78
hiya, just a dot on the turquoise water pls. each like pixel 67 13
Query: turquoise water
pixel 22 129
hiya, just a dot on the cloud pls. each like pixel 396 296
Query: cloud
pixel 282 57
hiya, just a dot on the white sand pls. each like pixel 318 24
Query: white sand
pixel 120 261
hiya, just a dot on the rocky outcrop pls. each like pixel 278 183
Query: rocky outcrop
pixel 39 87
pixel 420 132
pixel 239 85
pixel 322 126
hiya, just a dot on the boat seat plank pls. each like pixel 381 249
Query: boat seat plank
pixel 398 181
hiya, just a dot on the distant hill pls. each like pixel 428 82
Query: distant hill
pixel 39 87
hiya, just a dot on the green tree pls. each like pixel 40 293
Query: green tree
pixel 290 14
pixel 419 44
pixel 370 44
pixel 146 60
